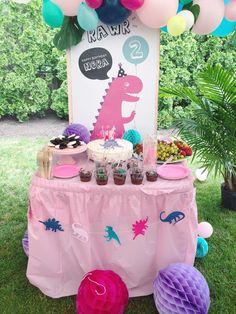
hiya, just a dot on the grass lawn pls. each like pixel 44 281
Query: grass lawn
pixel 18 296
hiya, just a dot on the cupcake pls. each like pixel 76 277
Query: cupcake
pixel 119 176
pixel 151 175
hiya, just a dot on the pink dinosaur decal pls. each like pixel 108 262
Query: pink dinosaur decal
pixel 140 227
pixel 110 113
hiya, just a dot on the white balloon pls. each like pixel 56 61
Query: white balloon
pixel 189 18
pixel 201 174
pixel 21 1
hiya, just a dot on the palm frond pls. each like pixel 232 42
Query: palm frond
pixel 218 85
pixel 181 92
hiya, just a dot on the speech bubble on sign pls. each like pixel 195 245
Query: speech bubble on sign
pixel 94 63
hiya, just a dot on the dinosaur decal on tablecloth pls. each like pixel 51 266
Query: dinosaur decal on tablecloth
pixel 140 227
pixel 173 217
pixel 111 235
pixel 52 224
pixel 110 113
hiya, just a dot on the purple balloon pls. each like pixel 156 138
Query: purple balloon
pixel 78 129
pixel 25 243
pixel 181 288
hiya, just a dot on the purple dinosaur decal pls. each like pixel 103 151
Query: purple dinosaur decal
pixel 110 112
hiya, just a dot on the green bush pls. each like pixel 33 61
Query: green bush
pixel 33 71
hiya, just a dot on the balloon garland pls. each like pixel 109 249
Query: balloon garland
pixel 202 17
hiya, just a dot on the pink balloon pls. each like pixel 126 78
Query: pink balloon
pixel 68 7
pixel 210 17
pixel 230 11
pixel 94 4
pixel 205 229
pixel 156 13
pixel 132 4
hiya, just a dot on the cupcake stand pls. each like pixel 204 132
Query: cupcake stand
pixel 132 230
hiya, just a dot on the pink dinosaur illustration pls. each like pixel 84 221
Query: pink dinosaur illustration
pixel 110 112
pixel 140 227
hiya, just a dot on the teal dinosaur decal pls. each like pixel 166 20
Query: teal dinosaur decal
pixel 52 224
pixel 111 234
pixel 173 217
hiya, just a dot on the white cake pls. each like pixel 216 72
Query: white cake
pixel 110 150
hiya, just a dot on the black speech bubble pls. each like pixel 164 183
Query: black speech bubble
pixel 94 63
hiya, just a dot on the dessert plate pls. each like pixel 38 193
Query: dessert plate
pixel 65 171
pixel 173 172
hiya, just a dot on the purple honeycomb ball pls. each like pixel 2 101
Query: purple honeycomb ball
pixel 181 288
pixel 78 129
pixel 25 243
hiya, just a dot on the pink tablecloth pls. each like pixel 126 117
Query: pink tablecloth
pixel 58 260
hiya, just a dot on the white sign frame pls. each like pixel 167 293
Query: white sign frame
pixel 85 94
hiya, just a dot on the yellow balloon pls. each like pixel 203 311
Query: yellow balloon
pixel 176 25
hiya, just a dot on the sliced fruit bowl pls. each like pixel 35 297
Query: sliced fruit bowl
pixel 178 149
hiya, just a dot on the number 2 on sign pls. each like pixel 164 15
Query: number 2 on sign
pixel 136 47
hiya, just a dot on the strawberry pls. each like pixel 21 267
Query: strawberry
pixel 183 152
pixel 188 151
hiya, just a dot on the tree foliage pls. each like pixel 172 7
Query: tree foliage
pixel 33 71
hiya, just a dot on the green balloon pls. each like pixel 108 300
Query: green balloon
pixel 52 14
pixel 185 1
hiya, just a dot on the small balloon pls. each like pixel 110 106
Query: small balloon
pixel 94 4
pixel 112 12
pixel 21 1
pixel 176 25
pixel 68 7
pixel 132 4
pixel 201 174
pixel 226 2
pixel 52 14
pixel 135 49
pixel 205 229
pixel 185 1
pixel 210 17
pixel 230 11
pixel 156 13
pixel 225 28
pixel 87 17
pixel 189 18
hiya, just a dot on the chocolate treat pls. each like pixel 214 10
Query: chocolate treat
pixel 136 176
pixel 101 176
pixel 62 142
pixel 151 175
pixel 119 176
pixel 85 176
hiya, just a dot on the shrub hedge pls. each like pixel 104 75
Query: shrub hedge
pixel 33 72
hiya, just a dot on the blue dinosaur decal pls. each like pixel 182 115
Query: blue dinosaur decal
pixel 52 224
pixel 173 217
pixel 111 234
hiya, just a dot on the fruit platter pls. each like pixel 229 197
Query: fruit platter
pixel 173 150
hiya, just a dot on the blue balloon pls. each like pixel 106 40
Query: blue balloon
pixel 226 1
pixel 111 12
pixel 225 28
pixel 135 49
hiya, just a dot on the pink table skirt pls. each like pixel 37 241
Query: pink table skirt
pixel 59 260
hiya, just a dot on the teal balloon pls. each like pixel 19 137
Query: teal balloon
pixel 227 1
pixel 52 14
pixel 202 247
pixel 136 49
pixel 225 28
pixel 185 1
pixel 87 17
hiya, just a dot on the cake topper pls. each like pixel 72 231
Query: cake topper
pixel 121 72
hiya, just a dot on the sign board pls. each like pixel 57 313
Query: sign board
pixel 113 79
